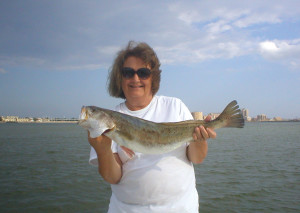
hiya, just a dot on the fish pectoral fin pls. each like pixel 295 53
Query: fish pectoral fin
pixel 95 132
pixel 108 130
pixel 97 128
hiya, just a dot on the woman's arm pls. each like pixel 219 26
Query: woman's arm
pixel 109 164
pixel 197 150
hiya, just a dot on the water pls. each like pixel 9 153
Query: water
pixel 44 168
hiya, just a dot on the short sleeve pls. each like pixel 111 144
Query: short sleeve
pixel 185 113
pixel 93 157
pixel 114 147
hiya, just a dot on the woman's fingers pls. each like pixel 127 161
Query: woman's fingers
pixel 128 151
pixel 202 133
pixel 211 133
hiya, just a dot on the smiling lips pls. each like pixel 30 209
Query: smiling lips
pixel 136 86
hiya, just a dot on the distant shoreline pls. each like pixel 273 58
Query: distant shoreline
pixel 38 122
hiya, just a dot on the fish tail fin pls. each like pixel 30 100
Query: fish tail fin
pixel 232 116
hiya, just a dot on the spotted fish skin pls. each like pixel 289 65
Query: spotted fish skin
pixel 149 137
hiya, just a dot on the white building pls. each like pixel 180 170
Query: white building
pixel 262 117
pixel 213 115
pixel 197 115
pixel 245 113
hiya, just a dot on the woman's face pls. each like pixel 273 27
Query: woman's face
pixel 136 88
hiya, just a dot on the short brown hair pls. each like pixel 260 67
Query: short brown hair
pixel 139 50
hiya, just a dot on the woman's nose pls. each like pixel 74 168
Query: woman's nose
pixel 135 77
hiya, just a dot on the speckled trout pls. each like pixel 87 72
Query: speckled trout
pixel 149 137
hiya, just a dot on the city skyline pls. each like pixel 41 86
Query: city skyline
pixel 55 56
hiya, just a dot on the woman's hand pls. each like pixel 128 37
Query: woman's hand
pixel 202 134
pixel 197 150
pixel 100 142
pixel 109 164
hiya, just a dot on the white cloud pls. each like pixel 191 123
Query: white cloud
pixel 203 49
pixel 185 32
pixel 269 47
pixel 284 51
pixel 257 18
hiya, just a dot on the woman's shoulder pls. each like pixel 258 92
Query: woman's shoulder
pixel 120 107
pixel 168 99
pixel 174 106
pixel 170 102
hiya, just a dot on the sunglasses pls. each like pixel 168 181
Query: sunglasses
pixel 143 73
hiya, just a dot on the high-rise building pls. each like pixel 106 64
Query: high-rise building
pixel 262 117
pixel 245 113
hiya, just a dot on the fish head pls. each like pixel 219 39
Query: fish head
pixel 95 120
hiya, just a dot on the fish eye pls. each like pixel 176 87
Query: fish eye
pixel 92 109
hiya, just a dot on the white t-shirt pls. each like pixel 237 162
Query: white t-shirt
pixel 155 183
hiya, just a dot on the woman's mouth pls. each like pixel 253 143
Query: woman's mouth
pixel 136 86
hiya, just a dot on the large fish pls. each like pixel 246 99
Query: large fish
pixel 149 137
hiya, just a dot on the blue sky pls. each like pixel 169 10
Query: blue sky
pixel 55 55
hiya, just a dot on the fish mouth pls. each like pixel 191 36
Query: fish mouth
pixel 83 115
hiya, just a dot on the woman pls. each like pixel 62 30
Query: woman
pixel 140 182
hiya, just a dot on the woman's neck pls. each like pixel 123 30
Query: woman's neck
pixel 138 104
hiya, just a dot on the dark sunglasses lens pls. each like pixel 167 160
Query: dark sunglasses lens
pixel 144 73
pixel 128 72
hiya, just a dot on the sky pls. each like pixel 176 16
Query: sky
pixel 55 55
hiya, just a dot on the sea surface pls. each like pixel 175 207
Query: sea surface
pixel 44 168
